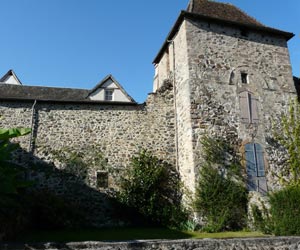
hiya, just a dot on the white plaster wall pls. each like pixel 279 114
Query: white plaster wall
pixel 11 80
pixel 118 95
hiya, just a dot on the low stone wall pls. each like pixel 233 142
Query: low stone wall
pixel 272 243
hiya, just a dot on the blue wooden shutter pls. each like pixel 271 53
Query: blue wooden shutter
pixel 250 160
pixel 260 160
pixel 253 101
pixel 251 167
pixel 262 185
pixel 244 107
pixel 256 180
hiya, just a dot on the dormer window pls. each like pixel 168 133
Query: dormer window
pixel 244 77
pixel 109 94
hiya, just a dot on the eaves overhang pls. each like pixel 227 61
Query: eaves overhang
pixel 193 16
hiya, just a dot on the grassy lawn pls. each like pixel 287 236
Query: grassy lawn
pixel 122 234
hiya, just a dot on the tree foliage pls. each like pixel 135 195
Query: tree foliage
pixel 152 187
pixel 221 196
pixel 288 134
pixel 13 216
pixel 9 173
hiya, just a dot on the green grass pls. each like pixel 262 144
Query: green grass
pixel 122 234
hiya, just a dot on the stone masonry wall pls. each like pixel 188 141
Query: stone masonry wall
pixel 272 243
pixel 217 55
pixel 183 105
pixel 119 131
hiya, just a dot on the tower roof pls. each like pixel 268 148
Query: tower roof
pixel 223 11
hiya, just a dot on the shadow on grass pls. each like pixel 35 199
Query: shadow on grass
pixel 111 234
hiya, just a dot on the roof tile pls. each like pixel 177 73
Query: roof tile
pixel 223 11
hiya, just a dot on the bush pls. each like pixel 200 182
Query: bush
pixel 285 211
pixel 152 188
pixel 221 196
pixel 13 213
pixel 220 201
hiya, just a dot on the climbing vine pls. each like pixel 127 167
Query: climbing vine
pixel 288 135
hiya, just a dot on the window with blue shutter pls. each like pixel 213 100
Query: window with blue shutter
pixel 255 166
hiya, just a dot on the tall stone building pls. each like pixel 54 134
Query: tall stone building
pixel 231 75
pixel 219 72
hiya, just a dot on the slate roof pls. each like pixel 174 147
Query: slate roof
pixel 222 13
pixel 52 94
pixel 10 91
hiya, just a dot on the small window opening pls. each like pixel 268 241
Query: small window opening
pixel 102 180
pixel 244 77
pixel 109 95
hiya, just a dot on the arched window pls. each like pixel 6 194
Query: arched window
pixel 255 166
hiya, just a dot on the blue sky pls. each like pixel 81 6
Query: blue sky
pixel 76 43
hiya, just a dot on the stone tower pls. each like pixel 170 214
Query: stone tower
pixel 231 76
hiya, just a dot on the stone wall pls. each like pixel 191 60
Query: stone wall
pixel 217 56
pixel 210 59
pixel 117 132
pixel 178 50
pixel 272 243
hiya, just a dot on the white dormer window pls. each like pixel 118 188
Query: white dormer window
pixel 109 94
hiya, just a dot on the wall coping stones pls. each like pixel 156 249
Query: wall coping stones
pixel 265 243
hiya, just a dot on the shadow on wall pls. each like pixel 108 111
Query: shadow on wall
pixel 59 199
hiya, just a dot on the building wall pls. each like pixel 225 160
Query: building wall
pixel 119 132
pixel 118 95
pixel 209 60
pixel 162 71
pixel 179 51
pixel 217 55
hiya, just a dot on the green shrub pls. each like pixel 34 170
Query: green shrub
pixel 13 213
pixel 221 196
pixel 152 188
pixel 285 211
pixel 220 201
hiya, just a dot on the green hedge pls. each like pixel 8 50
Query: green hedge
pixel 285 211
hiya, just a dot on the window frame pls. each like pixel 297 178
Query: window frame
pixel 108 94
